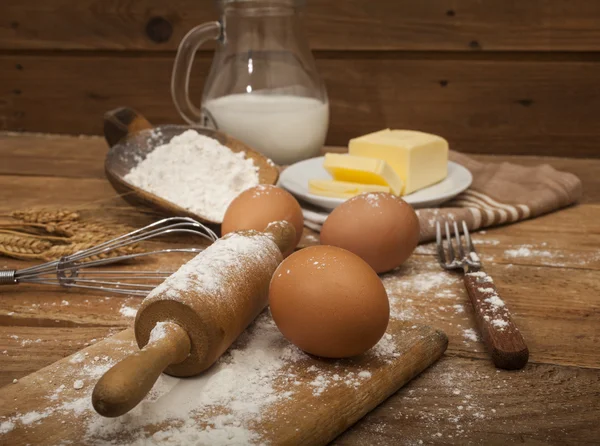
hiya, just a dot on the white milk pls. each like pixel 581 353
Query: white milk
pixel 284 128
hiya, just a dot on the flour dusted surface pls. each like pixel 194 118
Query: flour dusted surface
pixel 196 173
pixel 205 271
pixel 225 405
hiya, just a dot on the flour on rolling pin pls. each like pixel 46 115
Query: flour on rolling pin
pixel 227 405
pixel 234 252
pixel 252 394
pixel 213 297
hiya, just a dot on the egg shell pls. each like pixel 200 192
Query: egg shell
pixel 258 206
pixel 379 227
pixel 329 302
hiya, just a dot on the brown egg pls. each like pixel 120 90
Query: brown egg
pixel 329 302
pixel 379 227
pixel 258 206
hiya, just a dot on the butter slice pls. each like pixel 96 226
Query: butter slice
pixel 420 159
pixel 363 170
pixel 342 189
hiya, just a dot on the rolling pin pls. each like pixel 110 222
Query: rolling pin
pixel 185 324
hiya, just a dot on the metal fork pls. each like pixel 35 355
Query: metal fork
pixel 500 335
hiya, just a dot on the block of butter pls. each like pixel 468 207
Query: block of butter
pixel 342 189
pixel 363 170
pixel 420 159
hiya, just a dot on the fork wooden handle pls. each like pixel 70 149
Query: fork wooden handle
pixel 500 335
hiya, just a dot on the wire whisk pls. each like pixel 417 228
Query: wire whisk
pixel 80 270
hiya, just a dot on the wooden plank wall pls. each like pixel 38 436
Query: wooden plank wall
pixel 493 76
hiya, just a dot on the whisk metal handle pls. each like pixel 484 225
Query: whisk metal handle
pixel 8 277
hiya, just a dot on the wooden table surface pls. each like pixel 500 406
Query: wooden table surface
pixel 547 270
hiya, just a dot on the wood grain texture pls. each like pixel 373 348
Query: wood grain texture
pixel 128 382
pixel 58 191
pixel 52 155
pixel 467 402
pixel 326 414
pixel 553 320
pixel 503 342
pixel 504 107
pixel 473 25
pixel 546 270
pixel 73 156
pixel 24 350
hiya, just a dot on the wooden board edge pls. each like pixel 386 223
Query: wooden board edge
pixel 436 341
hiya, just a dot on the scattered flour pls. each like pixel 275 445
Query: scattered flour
pixel 25 342
pixel 56 394
pixel 495 301
pixel 219 407
pixel 195 172
pixel 77 358
pixel 485 241
pixel 424 282
pixel 255 374
pixel 311 239
pixel 127 311
pixel 493 307
pixel 470 334
pixel 501 324
pixel 459 308
pixel 526 251
pixel 6 426
pixel 320 383
pixel 158 332
pixel 372 199
pixel 419 285
pixel 556 257
pixel 474 257
pixel 386 348
pixel 32 417
pixel 456 399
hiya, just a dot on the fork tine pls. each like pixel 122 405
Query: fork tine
pixel 461 252
pixel 470 246
pixel 449 239
pixel 440 243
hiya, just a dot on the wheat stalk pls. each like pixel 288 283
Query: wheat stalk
pixel 50 234
pixel 18 246
pixel 45 215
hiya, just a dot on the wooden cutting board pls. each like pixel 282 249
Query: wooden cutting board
pixel 307 401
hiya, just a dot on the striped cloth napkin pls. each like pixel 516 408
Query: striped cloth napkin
pixel 501 193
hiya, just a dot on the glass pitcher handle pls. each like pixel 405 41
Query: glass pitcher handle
pixel 180 80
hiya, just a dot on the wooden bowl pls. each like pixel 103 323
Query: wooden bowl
pixel 131 138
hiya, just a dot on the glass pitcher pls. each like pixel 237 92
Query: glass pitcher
pixel 263 87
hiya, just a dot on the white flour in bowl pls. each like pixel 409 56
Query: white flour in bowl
pixel 196 173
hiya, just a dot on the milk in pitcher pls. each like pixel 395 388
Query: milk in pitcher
pixel 285 128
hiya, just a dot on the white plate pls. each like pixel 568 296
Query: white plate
pixel 295 179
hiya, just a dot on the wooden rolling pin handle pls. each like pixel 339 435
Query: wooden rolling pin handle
pixel 283 234
pixel 127 382
pixel 500 335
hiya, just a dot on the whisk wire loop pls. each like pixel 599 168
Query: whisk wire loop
pixel 74 270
